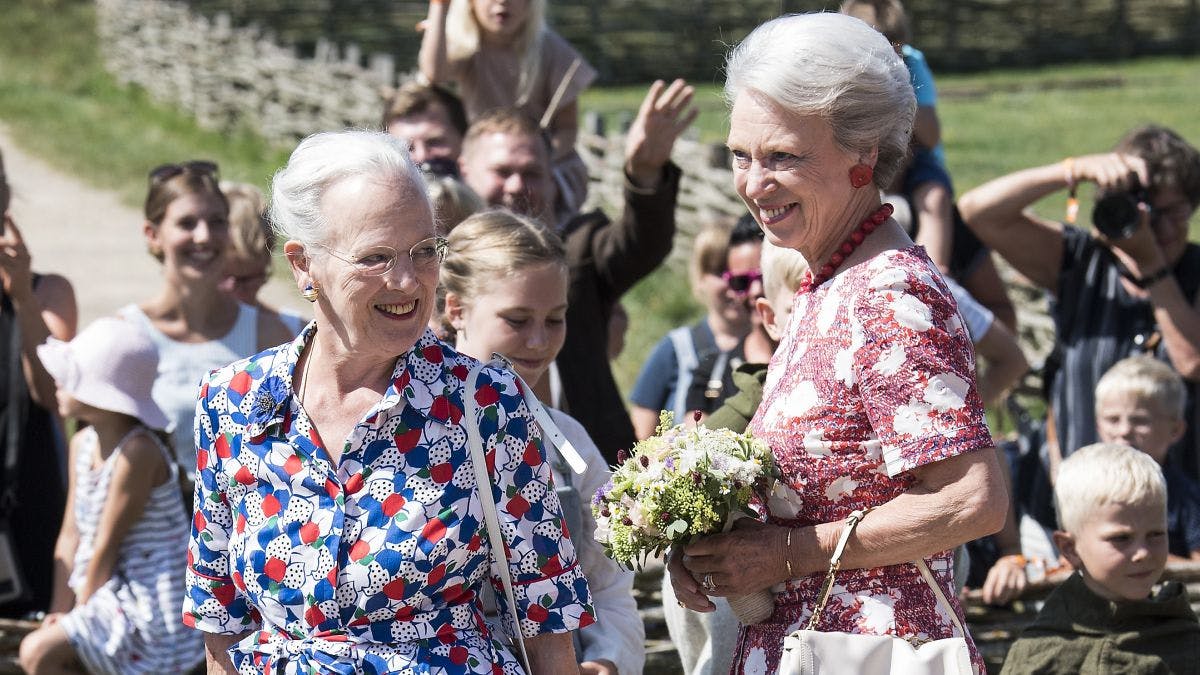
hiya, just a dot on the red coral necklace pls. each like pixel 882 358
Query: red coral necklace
pixel 866 227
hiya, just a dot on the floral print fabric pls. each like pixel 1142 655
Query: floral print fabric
pixel 372 565
pixel 874 378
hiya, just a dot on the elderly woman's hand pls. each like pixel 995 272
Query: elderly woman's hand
pixel 750 557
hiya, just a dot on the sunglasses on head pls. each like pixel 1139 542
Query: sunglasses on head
pixel 165 172
pixel 741 283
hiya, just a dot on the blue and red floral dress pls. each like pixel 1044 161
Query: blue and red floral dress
pixel 874 378
pixel 372 565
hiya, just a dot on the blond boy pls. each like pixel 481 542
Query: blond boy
pixel 1140 402
pixel 1112 507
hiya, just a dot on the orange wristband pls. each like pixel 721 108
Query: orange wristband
pixel 1072 199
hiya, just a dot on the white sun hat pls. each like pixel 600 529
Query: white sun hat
pixel 110 365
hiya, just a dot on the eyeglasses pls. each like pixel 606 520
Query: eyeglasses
pixel 424 255
pixel 165 172
pixel 741 283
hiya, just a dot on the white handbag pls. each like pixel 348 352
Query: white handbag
pixel 812 652
pixel 484 481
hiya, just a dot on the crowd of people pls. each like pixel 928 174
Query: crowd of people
pixel 245 489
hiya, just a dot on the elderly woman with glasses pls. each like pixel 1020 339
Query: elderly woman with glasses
pixel 195 325
pixel 339 526
pixel 870 402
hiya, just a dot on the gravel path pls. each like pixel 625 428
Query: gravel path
pixel 89 236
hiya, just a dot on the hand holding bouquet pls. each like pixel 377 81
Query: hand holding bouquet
pixel 681 484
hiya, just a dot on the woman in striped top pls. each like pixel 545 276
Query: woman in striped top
pixel 119 570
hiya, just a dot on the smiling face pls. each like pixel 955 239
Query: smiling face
pixel 500 19
pixel 192 236
pixel 382 315
pixel 1120 550
pixel 512 171
pixel 522 316
pixel 793 176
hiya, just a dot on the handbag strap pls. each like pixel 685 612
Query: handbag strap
pixel 484 483
pixel 835 563
pixel 483 480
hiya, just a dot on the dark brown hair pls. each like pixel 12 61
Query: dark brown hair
pixel 187 182
pixel 1172 162
pixel 414 98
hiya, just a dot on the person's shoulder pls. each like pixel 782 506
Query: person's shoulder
pixel 244 374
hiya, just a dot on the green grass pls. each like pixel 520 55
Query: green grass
pixel 60 103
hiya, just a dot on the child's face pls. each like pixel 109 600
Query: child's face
pixel 775 311
pixel 1121 550
pixel 500 18
pixel 1125 417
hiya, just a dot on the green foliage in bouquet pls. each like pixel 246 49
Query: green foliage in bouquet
pixel 677 485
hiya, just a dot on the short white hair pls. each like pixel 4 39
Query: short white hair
pixel 837 68
pixel 781 268
pixel 321 161
pixel 1148 379
pixel 1106 473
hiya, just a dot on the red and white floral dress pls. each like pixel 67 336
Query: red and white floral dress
pixel 874 378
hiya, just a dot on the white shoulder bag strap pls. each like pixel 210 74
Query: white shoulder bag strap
pixel 484 481
pixel 835 563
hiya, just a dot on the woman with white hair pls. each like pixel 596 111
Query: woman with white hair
pixel 339 526
pixel 870 403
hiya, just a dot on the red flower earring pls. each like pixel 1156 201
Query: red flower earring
pixel 861 175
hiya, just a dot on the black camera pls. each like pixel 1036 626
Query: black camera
pixel 1116 214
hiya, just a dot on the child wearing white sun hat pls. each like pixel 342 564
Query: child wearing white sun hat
pixel 119 567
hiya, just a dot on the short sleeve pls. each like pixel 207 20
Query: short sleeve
pixel 656 381
pixel 916 370
pixel 557 58
pixel 921 77
pixel 212 602
pixel 550 588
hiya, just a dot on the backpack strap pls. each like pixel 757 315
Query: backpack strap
pixel 686 361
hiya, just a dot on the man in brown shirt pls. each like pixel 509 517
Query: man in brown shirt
pixel 506 161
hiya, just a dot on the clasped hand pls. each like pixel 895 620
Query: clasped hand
pixel 748 558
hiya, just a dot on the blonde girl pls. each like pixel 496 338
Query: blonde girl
pixel 501 54
pixel 505 283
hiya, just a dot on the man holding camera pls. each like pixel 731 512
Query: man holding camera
pixel 1130 288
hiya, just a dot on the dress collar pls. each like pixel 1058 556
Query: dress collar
pixel 428 378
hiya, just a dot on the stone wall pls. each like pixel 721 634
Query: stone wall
pixel 230 77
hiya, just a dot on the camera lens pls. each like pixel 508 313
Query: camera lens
pixel 1116 215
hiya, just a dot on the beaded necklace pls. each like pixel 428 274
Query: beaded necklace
pixel 866 227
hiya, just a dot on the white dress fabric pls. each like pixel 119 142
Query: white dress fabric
pixel 131 625
pixel 181 365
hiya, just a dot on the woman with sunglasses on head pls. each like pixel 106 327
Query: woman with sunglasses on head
pixel 195 325
pixel 33 307
pixel 676 376
pixel 339 523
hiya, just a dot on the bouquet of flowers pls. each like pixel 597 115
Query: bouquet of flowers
pixel 677 485
pixel 680 484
